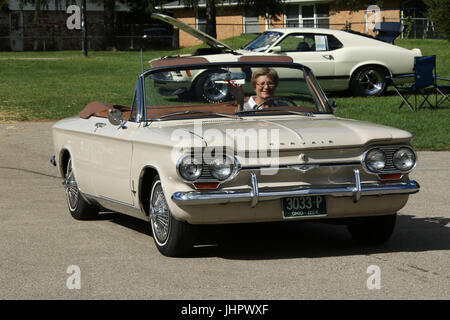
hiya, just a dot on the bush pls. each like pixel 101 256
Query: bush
pixel 438 13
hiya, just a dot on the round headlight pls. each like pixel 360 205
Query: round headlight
pixel 221 168
pixel 375 160
pixel 190 168
pixel 404 159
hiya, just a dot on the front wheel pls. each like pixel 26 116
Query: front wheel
pixel 372 230
pixel 172 237
pixel 369 81
pixel 78 207
pixel 209 91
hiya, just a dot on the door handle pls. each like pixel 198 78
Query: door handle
pixel 99 125
pixel 328 56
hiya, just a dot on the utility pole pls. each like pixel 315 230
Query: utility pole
pixel 83 29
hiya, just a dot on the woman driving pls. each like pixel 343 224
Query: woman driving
pixel 264 81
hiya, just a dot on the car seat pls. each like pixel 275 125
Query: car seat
pixel 303 46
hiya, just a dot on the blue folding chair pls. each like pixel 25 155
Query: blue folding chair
pixel 443 90
pixel 424 78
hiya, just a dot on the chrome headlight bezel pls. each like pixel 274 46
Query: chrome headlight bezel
pixel 207 174
pixel 372 155
pixel 182 164
pixel 216 162
pixel 388 151
pixel 412 155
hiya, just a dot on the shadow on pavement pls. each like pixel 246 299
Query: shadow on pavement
pixel 263 241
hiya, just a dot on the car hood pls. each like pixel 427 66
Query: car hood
pixel 193 32
pixel 289 134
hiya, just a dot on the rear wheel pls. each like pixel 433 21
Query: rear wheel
pixel 172 237
pixel 369 81
pixel 372 230
pixel 79 208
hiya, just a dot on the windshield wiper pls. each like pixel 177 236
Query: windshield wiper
pixel 304 114
pixel 196 112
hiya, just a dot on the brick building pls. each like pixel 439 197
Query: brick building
pixel 20 32
pixel 232 21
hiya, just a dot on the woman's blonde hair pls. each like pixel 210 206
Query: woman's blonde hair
pixel 271 73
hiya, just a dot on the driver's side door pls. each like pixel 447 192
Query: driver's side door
pixel 311 50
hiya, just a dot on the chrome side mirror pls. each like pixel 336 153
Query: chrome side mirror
pixel 276 49
pixel 115 117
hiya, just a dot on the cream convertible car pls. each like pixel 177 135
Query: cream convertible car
pixel 286 158
pixel 340 60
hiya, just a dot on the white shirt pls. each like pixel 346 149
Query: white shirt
pixel 251 104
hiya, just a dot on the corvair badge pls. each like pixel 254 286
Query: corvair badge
pixel 303 168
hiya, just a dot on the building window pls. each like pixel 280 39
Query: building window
pixel 308 16
pixel 201 20
pixel 251 22
pixel 292 14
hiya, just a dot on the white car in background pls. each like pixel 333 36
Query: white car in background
pixel 340 60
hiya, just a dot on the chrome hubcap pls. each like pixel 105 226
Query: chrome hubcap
pixel 371 82
pixel 214 91
pixel 71 187
pixel 159 214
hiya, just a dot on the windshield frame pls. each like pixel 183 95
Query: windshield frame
pixel 316 91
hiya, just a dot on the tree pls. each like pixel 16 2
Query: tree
pixel 109 24
pixel 269 8
pixel 355 5
pixel 438 13
pixel 108 15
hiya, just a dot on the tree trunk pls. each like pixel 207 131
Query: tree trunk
pixel 109 24
pixel 211 18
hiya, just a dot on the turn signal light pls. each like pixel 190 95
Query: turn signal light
pixel 206 185
pixel 390 176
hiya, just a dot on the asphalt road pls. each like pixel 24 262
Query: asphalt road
pixel 117 259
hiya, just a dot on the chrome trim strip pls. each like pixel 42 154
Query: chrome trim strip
pixel 357 193
pixel 255 191
pixel 228 196
pixel 117 206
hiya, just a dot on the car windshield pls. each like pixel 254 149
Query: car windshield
pixel 231 91
pixel 263 42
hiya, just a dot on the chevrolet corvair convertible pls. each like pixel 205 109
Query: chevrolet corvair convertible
pixel 273 150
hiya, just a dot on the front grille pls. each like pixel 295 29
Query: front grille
pixel 389 154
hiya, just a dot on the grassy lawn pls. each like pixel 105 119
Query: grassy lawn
pixel 33 88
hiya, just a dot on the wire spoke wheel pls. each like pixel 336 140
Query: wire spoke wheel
pixel 172 237
pixel 159 214
pixel 79 208
pixel 71 187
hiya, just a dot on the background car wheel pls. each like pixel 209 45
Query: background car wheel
pixel 172 237
pixel 372 230
pixel 207 91
pixel 369 81
pixel 78 207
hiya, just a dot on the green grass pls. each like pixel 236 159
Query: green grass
pixel 49 90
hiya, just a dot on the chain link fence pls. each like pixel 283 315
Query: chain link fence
pixel 415 28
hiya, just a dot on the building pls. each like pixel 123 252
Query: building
pixel 20 32
pixel 232 21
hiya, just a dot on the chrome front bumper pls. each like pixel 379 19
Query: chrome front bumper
pixel 254 195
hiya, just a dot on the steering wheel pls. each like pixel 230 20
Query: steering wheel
pixel 259 105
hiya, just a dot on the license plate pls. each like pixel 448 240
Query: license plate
pixel 307 206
